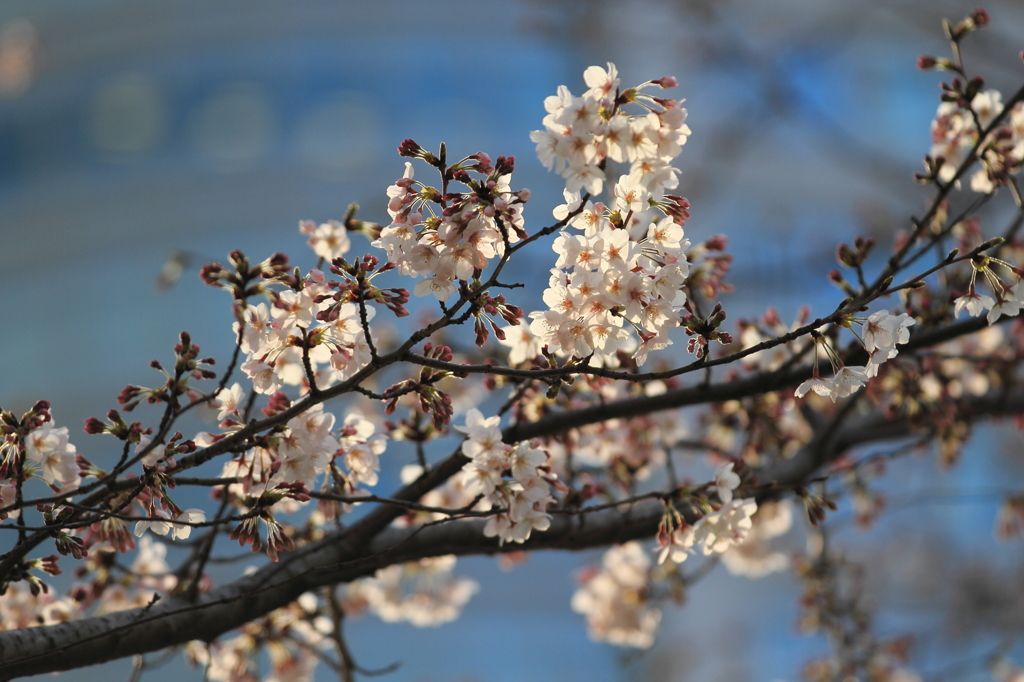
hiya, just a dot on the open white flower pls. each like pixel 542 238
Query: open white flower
pixel 823 387
pixel 50 448
pixel 974 303
pixel 726 480
pixel 180 531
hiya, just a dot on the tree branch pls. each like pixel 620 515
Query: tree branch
pixel 353 553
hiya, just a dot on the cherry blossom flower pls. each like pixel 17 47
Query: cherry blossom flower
pixel 156 452
pixel 481 480
pixel 650 344
pixel 1004 305
pixel 180 531
pixel 255 329
pixel 330 240
pixel 602 82
pixel 158 523
pixel 726 480
pixel 679 545
pixel 440 286
pixel 824 387
pixel 522 343
pixel 49 447
pixel 883 331
pixel 524 460
pixel 363 460
pixel 264 379
pixel 483 436
pixel 629 196
pixel 974 303
pixel 228 400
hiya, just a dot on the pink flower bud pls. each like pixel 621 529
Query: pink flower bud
pixel 409 148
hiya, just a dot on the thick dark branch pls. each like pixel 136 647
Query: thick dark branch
pixel 335 559
pixel 756 384
pixel 875 427
pixel 350 554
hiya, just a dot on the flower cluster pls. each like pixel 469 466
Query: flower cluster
pixel 314 330
pixel 148 575
pixel 614 599
pixel 522 496
pixel 23 608
pixel 462 231
pixel 293 637
pixel 624 268
pixel 713 533
pixel 582 133
pixel 881 332
pixel 273 338
pixel 955 132
pixel 1008 299
pixel 48 448
pixel 424 593
pixel 304 449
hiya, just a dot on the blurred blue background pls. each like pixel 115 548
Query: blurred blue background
pixel 132 129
